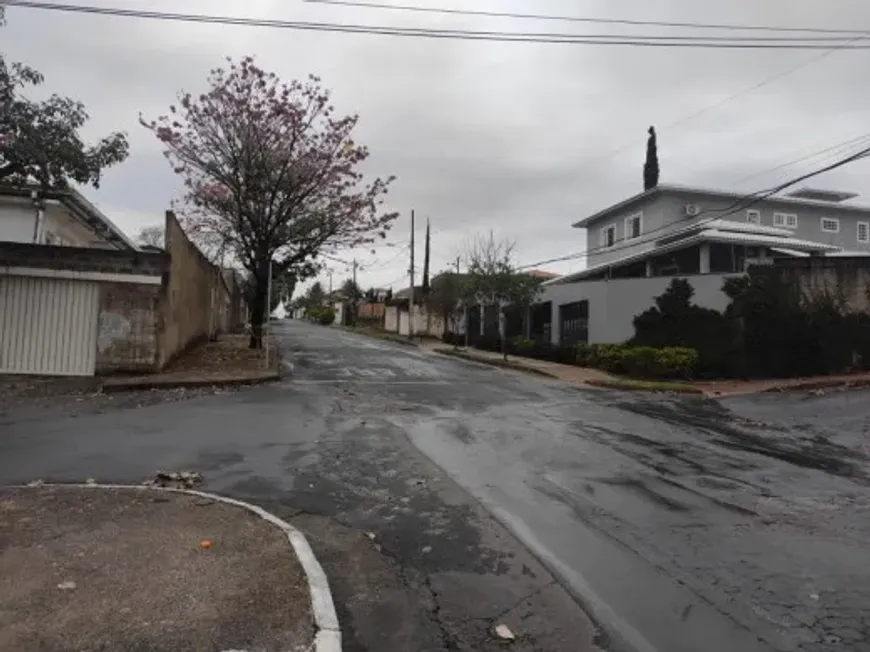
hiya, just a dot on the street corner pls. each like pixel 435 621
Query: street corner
pixel 99 567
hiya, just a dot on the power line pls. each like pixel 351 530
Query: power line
pixel 741 204
pixel 745 43
pixel 835 150
pixel 581 19
pixel 726 100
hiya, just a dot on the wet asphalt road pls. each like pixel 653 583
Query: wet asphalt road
pixel 681 524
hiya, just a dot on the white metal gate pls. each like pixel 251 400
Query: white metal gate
pixel 48 326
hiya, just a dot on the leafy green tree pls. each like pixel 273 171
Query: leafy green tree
pixel 40 141
pixel 353 294
pixel 447 298
pixel 315 296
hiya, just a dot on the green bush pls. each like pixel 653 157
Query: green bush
pixel 639 361
pixel 320 315
pixel 327 316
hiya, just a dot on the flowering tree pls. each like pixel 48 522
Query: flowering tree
pixel 39 140
pixel 272 173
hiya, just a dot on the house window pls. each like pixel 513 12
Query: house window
pixel 633 226
pixel 830 225
pixel 753 217
pixel 608 236
pixel 864 232
pixel 785 220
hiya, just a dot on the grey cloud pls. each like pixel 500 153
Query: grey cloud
pixel 515 138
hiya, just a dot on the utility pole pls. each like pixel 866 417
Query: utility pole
pixel 457 264
pixel 330 282
pixel 354 271
pixel 411 306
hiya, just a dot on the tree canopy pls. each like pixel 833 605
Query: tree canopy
pixel 40 141
pixel 651 165
pixel 493 278
pixel 271 171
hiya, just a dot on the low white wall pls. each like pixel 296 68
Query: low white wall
pixel 391 319
pixel 17 220
pixel 614 304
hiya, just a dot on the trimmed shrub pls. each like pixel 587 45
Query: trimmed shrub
pixel 327 316
pixel 320 315
pixel 639 361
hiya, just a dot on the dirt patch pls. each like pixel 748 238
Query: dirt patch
pixel 229 352
pixel 97 569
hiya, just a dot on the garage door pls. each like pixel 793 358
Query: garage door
pixel 48 326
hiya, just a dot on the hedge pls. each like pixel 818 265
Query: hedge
pixel 670 362
pixel 639 361
pixel 324 316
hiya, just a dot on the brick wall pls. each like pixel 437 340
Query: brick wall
pixel 128 326
pixel 16 254
pixel 849 276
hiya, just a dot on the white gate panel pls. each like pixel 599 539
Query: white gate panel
pixel 48 326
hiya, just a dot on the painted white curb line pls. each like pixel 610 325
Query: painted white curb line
pixel 328 636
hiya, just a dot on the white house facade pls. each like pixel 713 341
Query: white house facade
pixel 57 217
pixel 636 247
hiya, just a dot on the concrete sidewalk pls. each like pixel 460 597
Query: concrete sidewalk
pixel 597 378
pixel 92 568
pixel 225 362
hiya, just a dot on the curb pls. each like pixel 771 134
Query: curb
pixel 819 384
pixel 501 364
pixel 114 387
pixel 629 387
pixel 328 635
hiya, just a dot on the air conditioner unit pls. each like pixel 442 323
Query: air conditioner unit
pixel 692 210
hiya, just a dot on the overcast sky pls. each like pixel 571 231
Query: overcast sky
pixel 517 138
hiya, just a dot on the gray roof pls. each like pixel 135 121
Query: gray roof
pixel 753 237
pixel 710 192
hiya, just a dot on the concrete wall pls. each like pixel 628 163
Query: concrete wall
pixel 614 304
pixel 17 219
pixel 152 305
pixel 192 294
pixel 848 276
pixel 128 327
pixel 391 319
pixel 130 290
pixel 79 259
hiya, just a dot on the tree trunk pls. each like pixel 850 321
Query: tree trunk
pixel 258 312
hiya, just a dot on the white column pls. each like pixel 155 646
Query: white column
pixel 704 262
pixel 555 324
pixel 649 268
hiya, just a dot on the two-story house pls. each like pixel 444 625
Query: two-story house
pixel 636 246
